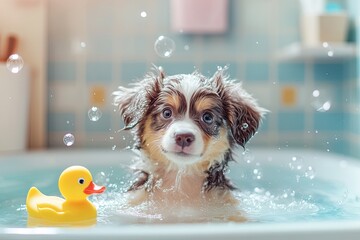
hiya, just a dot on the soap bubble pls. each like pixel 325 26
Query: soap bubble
pixel 316 93
pixel 319 102
pixel 94 114
pixel 143 14
pixel 69 139
pixel 101 179
pixel 15 63
pixel 164 46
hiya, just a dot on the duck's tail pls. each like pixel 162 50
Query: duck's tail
pixel 31 205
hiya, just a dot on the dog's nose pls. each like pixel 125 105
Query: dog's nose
pixel 184 139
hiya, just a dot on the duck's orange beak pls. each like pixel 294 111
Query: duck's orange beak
pixel 93 188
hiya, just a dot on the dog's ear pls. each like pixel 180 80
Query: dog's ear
pixel 242 112
pixel 134 102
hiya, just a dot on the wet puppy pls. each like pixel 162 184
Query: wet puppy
pixel 186 127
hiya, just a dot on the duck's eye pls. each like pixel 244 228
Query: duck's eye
pixel 81 180
pixel 167 113
pixel 208 118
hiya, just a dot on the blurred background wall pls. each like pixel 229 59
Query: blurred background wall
pixel 96 45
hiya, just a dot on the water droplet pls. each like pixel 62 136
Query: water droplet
pixel 143 14
pixel 164 46
pixel 248 156
pixel 111 138
pixel 320 104
pixel 186 48
pixel 244 126
pixel 69 139
pixel 258 190
pixel 257 173
pixel 113 147
pixel 83 44
pixel 325 44
pixel 94 114
pixel 316 93
pixel 330 53
pixel 14 63
pixel 310 173
pixel 296 163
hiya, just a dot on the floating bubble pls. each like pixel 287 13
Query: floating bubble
pixel 101 179
pixel 69 139
pixel 164 46
pixel 14 63
pixel 322 106
pixel 94 114
pixel 330 53
pixel 316 93
pixel 319 102
pixel 143 14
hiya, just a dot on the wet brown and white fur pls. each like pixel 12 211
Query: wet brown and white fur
pixel 186 127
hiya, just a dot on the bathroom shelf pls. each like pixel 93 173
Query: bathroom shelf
pixel 330 52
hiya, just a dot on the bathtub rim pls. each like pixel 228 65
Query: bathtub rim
pixel 349 230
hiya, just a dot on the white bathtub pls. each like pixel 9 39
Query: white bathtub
pixel 329 167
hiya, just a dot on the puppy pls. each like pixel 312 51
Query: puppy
pixel 186 127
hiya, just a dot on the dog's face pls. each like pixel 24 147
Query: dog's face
pixel 188 119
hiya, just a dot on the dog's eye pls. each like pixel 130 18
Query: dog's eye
pixel 167 113
pixel 208 118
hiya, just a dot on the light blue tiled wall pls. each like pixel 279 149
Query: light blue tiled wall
pixel 107 43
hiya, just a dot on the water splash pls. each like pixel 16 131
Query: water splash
pixel 296 163
pixel 248 156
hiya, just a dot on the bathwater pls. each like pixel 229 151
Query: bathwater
pixel 268 193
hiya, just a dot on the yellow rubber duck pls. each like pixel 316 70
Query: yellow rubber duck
pixel 75 184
